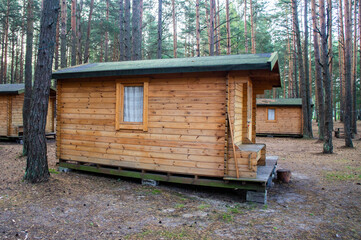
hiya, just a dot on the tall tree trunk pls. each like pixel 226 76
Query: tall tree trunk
pixel 56 58
pixel 342 57
pixel 318 75
pixel 245 27
pixel 306 106
pixel 159 50
pixel 79 33
pixel 121 30
pixel 73 32
pixel 218 30
pixel 359 27
pixel 127 32
pixel 87 41
pixel 295 58
pixel 106 40
pixel 354 74
pixel 23 31
pixel 327 144
pixel 198 29
pixel 348 98
pixel 28 74
pixel 330 50
pixel 290 65
pixel 6 37
pixel 228 28
pixel 174 29
pixel 211 27
pixel 37 163
pixel 253 36
pixel 12 66
pixel 63 61
pixel 136 30
pixel 305 82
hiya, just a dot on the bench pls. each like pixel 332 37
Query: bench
pixel 340 132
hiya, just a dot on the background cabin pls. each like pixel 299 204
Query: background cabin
pixel 167 116
pixel 11 110
pixel 279 117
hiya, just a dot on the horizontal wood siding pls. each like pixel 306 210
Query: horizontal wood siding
pixel 186 125
pixel 288 120
pixel 3 115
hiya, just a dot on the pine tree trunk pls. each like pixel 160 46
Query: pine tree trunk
pixel 87 41
pixel 28 74
pixel 211 27
pixel 245 27
pixel 6 37
pixel 354 74
pixel 253 37
pixel 56 58
pixel 79 33
pixel 23 30
pixel 327 144
pixel 136 30
pixel 127 33
pixel 73 33
pixel 342 57
pixel 121 30
pixel 37 163
pixel 330 51
pixel 63 31
pixel 290 65
pixel 359 27
pixel 174 30
pixel 106 40
pixel 198 29
pixel 228 28
pixel 318 75
pixel 348 97
pixel 159 50
pixel 218 30
pixel 12 66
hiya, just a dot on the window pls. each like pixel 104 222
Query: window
pixel 271 114
pixel 132 105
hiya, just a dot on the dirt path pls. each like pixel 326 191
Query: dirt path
pixel 322 201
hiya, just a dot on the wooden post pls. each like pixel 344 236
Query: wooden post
pixel 230 127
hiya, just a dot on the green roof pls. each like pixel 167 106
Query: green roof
pixel 264 61
pixel 17 88
pixel 279 102
pixel 12 88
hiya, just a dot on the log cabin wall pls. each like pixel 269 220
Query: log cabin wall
pixel 4 115
pixel 186 125
pixel 11 115
pixel 288 120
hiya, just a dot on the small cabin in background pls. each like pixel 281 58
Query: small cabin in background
pixel 279 117
pixel 11 110
pixel 177 120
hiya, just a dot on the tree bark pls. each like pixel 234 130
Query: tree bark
pixel 6 38
pixel 73 32
pixel 28 74
pixel 63 21
pixel 174 29
pixel 342 57
pixel 106 40
pixel 290 65
pixel 253 36
pixel 127 33
pixel 211 27
pixel 318 75
pixel 354 74
pixel 56 58
pixel 306 106
pixel 198 30
pixel 79 33
pixel 87 41
pixel 327 144
pixel 348 98
pixel 136 30
pixel 159 50
pixel 245 27
pixel 37 163
pixel 228 29
pixel 121 30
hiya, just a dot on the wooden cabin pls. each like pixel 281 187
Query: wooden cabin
pixel 11 110
pixel 279 117
pixel 166 119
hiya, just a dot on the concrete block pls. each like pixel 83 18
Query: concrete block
pixel 63 169
pixel 258 197
pixel 150 182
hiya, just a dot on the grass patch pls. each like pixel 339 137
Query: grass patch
pixel 345 174
pixel 179 205
pixel 161 234
pixel 203 206
pixel 52 170
pixel 156 191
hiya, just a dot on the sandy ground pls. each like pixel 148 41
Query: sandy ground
pixel 321 202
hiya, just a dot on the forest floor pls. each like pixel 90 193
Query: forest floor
pixel 322 201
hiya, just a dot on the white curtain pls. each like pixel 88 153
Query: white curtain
pixel 133 104
pixel 271 114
